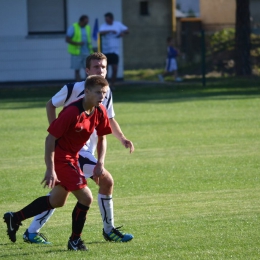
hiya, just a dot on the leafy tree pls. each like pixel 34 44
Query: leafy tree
pixel 223 39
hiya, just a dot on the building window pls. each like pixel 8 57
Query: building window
pixel 144 8
pixel 46 17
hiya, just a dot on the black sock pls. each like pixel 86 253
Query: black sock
pixel 36 207
pixel 78 220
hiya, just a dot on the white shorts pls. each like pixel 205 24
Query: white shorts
pixel 87 163
pixel 171 65
pixel 78 61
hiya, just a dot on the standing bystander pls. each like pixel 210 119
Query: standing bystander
pixel 79 44
pixel 111 32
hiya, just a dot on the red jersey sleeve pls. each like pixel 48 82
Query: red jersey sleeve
pixel 61 124
pixel 103 128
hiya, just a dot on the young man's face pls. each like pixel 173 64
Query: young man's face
pixel 96 95
pixel 97 67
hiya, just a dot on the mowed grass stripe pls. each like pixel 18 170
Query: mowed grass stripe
pixel 189 191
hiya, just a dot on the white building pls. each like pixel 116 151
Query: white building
pixel 32 40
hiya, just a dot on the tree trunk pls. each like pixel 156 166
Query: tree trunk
pixel 242 38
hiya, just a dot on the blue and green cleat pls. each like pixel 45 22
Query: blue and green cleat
pixel 117 236
pixel 35 238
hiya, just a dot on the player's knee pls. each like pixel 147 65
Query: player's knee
pixel 87 200
pixel 58 203
pixel 110 181
pixel 107 180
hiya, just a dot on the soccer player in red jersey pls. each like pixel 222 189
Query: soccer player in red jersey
pixel 96 64
pixel 67 134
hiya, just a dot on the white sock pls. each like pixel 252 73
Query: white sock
pixel 106 208
pixel 40 220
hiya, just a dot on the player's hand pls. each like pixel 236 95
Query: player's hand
pixel 128 144
pixel 98 172
pixel 50 179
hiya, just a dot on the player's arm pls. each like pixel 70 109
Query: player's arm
pixel 69 40
pixel 126 31
pixel 50 177
pixel 123 30
pixel 51 111
pixel 123 33
pixel 103 30
pixel 69 36
pixel 117 132
pixel 106 32
pixel 59 100
pixel 101 153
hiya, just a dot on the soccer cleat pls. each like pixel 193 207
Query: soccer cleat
pixel 77 245
pixel 12 227
pixel 36 238
pixel 160 77
pixel 117 236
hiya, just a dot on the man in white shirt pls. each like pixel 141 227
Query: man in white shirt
pixel 111 32
pixel 96 64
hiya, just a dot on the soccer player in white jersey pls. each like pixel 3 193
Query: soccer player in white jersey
pixel 96 64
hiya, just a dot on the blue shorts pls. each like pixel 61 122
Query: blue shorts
pixel 78 61
pixel 171 65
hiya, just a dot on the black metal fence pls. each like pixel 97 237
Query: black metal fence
pixel 213 52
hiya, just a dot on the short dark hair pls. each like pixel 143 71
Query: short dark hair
pixel 95 80
pixel 95 56
pixel 83 17
pixel 110 15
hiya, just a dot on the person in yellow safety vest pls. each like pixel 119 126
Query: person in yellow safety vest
pixel 79 44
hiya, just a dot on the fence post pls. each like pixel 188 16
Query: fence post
pixel 203 58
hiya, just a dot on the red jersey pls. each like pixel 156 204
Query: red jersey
pixel 73 128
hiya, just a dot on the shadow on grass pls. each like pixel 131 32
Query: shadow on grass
pixel 48 249
pixel 223 89
pixel 189 90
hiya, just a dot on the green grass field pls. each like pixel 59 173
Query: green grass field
pixel 189 191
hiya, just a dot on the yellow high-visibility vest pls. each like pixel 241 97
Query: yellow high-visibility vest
pixel 74 49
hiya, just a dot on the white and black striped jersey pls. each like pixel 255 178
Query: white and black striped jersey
pixel 74 91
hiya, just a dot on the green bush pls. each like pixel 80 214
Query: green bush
pixel 223 40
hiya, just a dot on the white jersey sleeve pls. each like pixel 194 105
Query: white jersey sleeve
pixel 122 27
pixel 58 100
pixel 68 94
pixel 108 104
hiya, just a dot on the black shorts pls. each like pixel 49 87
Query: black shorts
pixel 112 58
